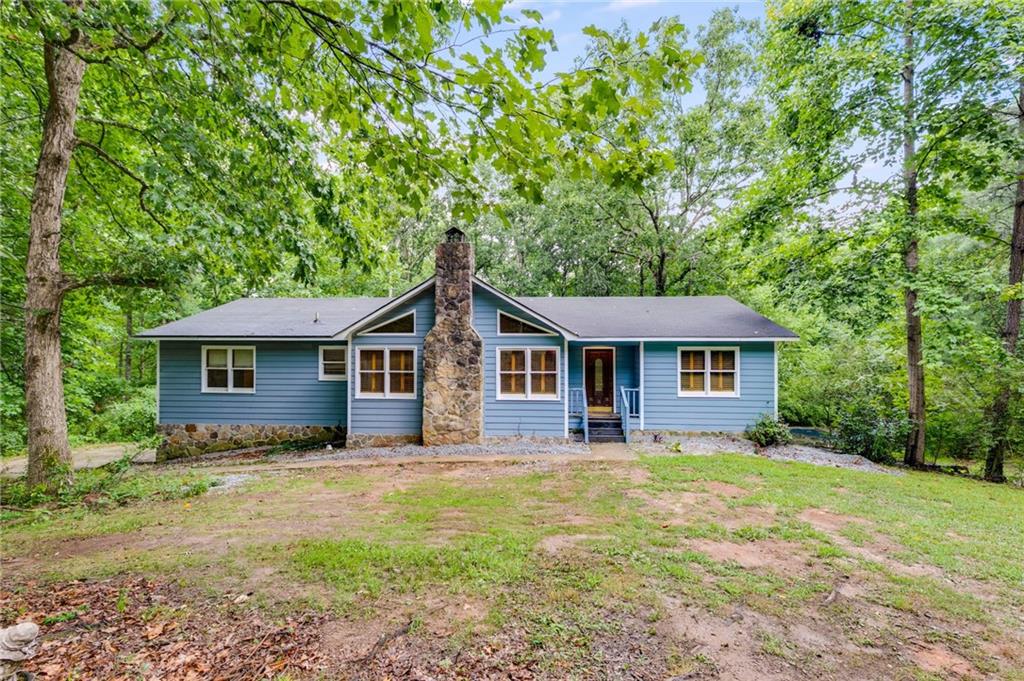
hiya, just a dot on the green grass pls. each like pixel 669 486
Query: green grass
pixel 963 526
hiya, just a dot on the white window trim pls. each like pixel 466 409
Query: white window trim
pixel 615 363
pixel 230 367
pixel 518 319
pixel 707 392
pixel 386 395
pixel 332 377
pixel 529 397
pixel 371 331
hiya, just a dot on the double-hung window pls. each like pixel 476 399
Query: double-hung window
pixel 712 372
pixel 333 361
pixel 386 372
pixel 229 369
pixel 528 373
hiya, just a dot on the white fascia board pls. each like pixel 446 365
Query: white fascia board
pixel 349 330
pixel 512 301
pixel 703 339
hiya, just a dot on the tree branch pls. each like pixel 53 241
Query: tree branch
pixel 143 185
pixel 112 279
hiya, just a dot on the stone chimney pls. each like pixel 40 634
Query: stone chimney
pixel 453 374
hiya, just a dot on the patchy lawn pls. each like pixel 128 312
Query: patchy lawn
pixel 727 566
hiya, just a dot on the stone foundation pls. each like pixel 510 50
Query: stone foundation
pixel 360 440
pixel 192 439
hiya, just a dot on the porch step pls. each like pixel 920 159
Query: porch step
pixel 606 430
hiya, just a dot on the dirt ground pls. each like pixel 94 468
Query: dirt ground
pixel 529 570
pixel 88 456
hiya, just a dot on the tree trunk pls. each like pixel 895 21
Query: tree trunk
pixel 661 273
pixel 1011 330
pixel 914 453
pixel 49 454
pixel 128 330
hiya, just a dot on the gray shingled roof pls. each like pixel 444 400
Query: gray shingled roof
pixel 271 318
pixel 668 317
pixel 694 317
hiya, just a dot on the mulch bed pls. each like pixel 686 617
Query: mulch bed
pixel 130 628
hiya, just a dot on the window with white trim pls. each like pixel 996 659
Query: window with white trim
pixel 387 372
pixel 708 371
pixel 229 369
pixel 528 373
pixel 333 363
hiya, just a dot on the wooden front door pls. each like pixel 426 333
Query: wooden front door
pixel 599 372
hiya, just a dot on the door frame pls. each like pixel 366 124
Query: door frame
pixel 614 376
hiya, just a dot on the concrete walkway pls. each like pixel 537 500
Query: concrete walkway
pixel 89 456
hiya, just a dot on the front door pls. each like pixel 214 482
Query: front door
pixel 599 370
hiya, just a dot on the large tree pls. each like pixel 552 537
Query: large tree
pixel 673 175
pixel 1001 427
pixel 869 87
pixel 232 137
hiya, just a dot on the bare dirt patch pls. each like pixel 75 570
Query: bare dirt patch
pixel 828 521
pixel 725 489
pixel 748 516
pixel 680 508
pixel 937 659
pixel 557 543
pixel 720 646
pixel 783 557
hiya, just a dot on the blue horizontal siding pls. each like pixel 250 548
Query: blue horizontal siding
pixel 665 410
pixel 394 416
pixel 288 389
pixel 534 418
pixel 627 364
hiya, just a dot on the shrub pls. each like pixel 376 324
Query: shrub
pixel 12 420
pixel 768 431
pixel 131 420
pixel 871 430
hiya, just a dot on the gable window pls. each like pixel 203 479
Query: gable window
pixel 509 325
pixel 386 372
pixel 333 363
pixel 229 369
pixel 404 325
pixel 528 373
pixel 712 372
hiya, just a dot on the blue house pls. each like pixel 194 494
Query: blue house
pixel 456 360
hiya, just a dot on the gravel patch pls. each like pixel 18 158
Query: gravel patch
pixel 717 444
pixel 225 482
pixel 826 457
pixel 524 448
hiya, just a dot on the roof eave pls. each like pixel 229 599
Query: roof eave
pixel 689 339
pixel 220 339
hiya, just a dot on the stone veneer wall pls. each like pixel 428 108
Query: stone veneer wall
pixel 358 440
pixel 191 439
pixel 453 374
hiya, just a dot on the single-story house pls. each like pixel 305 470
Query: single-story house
pixel 456 360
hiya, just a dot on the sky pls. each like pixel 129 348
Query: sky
pixel 567 18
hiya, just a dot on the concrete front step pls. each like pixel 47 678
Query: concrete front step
pixel 607 438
